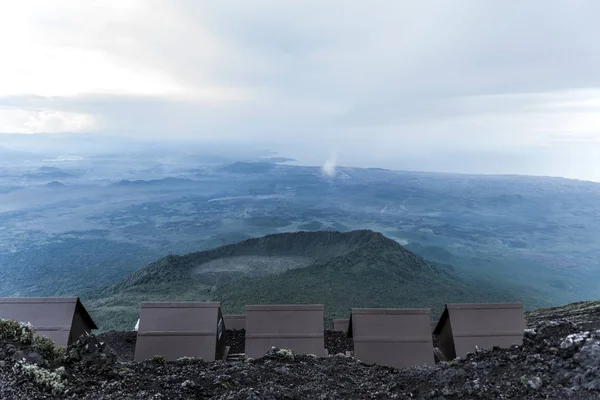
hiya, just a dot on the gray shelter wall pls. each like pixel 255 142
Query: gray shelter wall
pixel 341 325
pixel 180 329
pixel 235 321
pixel 485 325
pixel 62 319
pixel 394 337
pixel 296 327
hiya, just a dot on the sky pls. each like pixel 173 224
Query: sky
pixel 451 86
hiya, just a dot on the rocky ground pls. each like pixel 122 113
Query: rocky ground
pixel 556 361
pixel 586 314
pixel 236 340
pixel 123 343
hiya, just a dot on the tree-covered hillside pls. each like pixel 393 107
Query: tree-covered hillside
pixel 341 270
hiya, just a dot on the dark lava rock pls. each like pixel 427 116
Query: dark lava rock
pixel 556 361
pixel 338 342
pixel 91 353
pixel 236 340
pixel 122 343
pixel 586 314
pixel 30 357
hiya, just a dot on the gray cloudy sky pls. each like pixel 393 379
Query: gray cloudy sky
pixel 457 86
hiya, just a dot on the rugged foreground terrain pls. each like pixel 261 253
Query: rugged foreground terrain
pixel 586 314
pixel 556 361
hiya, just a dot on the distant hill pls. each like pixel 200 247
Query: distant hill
pixel 248 167
pixel 58 174
pixel 277 159
pixel 153 182
pixel 342 270
pixel 55 184
pixel 46 168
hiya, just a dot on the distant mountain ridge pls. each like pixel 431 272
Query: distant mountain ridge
pixel 162 181
pixel 319 246
pixel 359 268
pixel 241 167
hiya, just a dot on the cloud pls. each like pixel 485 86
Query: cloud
pixel 391 85
pixel 44 121
pixel 107 47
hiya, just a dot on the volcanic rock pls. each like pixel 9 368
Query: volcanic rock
pixel 556 361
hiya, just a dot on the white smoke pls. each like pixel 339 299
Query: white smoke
pixel 329 167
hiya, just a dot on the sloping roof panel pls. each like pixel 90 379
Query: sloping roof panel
pixel 394 337
pixel 296 327
pixel 180 329
pixel 62 319
pixel 485 325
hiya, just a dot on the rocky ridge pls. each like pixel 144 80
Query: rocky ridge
pixel 556 361
pixel 586 314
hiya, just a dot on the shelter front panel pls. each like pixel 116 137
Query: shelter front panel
pixel 486 325
pixel 483 318
pixel 391 322
pixel 181 329
pixel 393 337
pixel 296 327
pixel 51 317
pixel 178 317
pixel 40 312
pixel 394 354
pixel 174 347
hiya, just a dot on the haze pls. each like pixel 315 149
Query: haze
pixel 449 86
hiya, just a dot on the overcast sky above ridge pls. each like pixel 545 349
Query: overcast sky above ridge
pixel 452 86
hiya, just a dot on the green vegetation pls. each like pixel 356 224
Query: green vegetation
pixel 353 269
pixel 98 263
pixel 158 359
pixel 367 277
pixel 24 334
pixel 48 349
pixel 45 379
pixel 15 331
pixel 529 238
